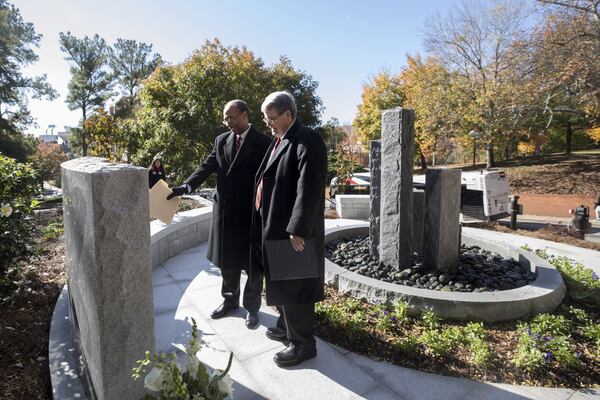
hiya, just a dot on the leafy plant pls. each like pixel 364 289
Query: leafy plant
pixel 430 319
pixel 53 230
pixel 545 341
pixel 18 185
pixel 385 319
pixel 401 308
pixel 436 342
pixel 409 346
pixel 167 380
pixel 583 284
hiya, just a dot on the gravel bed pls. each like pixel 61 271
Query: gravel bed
pixel 478 270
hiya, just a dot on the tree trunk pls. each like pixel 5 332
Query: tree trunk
pixel 422 161
pixel 569 137
pixel 83 142
pixel 490 155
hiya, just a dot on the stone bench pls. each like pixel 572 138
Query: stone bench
pixel 352 206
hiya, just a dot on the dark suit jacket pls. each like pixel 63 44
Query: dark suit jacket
pixel 228 242
pixel 292 203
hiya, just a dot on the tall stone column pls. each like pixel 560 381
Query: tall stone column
pixel 418 220
pixel 442 215
pixel 397 151
pixel 375 193
pixel 107 236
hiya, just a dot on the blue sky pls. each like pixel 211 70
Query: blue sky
pixel 340 43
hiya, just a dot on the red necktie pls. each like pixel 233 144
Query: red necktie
pixel 258 199
pixel 238 143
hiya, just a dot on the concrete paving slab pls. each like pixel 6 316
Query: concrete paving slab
pixel 198 250
pixel 381 393
pixel 205 300
pixel 167 297
pixel 175 326
pixel 160 276
pixel 328 376
pixel 339 349
pixel 244 342
pixel 183 261
pixel 586 394
pixel 192 279
pixel 412 384
pixel 216 354
pixel 496 391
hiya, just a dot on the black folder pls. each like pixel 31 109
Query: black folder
pixel 285 263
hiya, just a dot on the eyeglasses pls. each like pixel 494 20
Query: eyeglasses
pixel 270 121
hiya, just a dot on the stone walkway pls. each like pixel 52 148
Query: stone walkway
pixel 188 286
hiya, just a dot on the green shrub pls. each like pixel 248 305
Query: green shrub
pixel 475 339
pixel 400 312
pixel 436 342
pixel 18 185
pixel 430 319
pixel 583 284
pixel 53 230
pixel 545 341
pixel 408 346
pixel 385 319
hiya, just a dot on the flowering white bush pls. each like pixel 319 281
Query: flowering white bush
pixel 5 210
pixel 167 380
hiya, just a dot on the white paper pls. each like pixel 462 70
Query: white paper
pixel 160 207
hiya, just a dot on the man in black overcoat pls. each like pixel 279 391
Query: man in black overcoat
pixel 235 158
pixel 289 203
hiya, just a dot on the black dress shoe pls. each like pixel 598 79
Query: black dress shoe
pixel 251 320
pixel 223 310
pixel 276 333
pixel 294 354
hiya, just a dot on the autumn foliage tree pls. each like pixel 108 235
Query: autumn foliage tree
pixel 383 91
pixel 181 106
pixel 475 40
pixel 47 160
pixel 105 136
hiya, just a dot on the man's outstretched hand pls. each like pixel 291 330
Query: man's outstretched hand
pixel 177 191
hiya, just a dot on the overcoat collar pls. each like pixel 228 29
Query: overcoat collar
pixel 284 143
pixel 245 150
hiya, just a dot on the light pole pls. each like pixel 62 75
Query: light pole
pixel 474 135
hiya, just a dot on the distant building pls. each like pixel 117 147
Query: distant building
pixel 60 138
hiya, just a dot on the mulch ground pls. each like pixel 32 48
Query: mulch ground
pixel 554 174
pixel 26 312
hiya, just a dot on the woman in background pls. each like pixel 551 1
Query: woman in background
pixel 156 172
pixel 597 206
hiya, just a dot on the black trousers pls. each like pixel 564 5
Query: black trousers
pixel 230 289
pixel 299 321
pixel 296 319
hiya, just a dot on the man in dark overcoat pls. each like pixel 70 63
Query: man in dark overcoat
pixel 289 203
pixel 235 158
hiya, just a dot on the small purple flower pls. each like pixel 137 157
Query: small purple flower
pixel 394 319
pixel 549 356
pixel 386 312
pixel 547 338
pixel 421 346
pixel 595 276
pixel 577 354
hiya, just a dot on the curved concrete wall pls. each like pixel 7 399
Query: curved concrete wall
pixel 188 229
